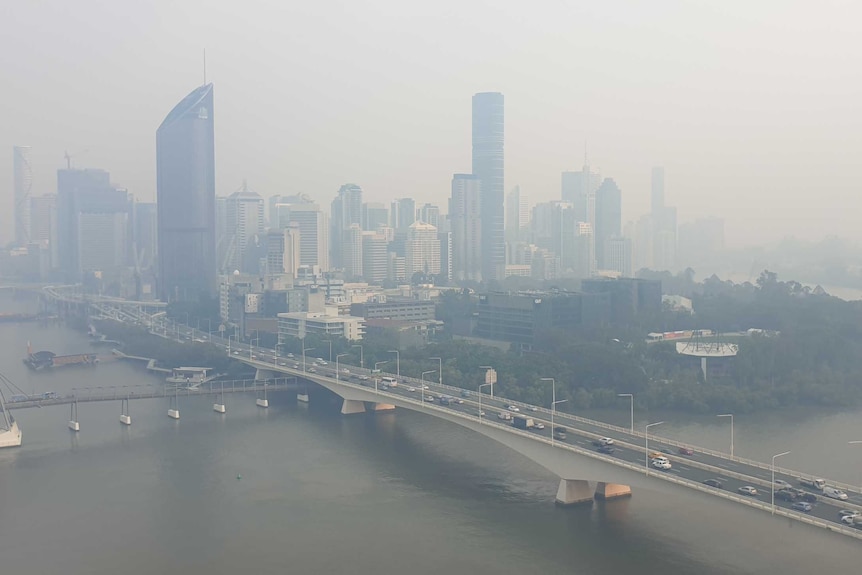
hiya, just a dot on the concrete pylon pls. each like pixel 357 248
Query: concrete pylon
pixel 574 491
pixel 350 406
pixel 383 407
pixel 612 490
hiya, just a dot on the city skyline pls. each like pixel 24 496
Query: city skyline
pixel 691 98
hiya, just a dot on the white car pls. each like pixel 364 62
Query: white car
pixel 411 389
pixel 851 513
pixel 513 408
pixel 660 463
pixel 781 484
pixel 848 520
pixel 609 441
pixel 345 370
pixel 504 416
pixel 834 493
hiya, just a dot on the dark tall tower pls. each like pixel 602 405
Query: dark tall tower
pixel 608 220
pixel 185 166
pixel 488 167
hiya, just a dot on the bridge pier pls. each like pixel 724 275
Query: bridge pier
pixel 264 374
pixel 574 492
pixel 383 407
pixel 351 406
pixel 125 418
pixel 302 397
pixel 612 490
pixel 73 418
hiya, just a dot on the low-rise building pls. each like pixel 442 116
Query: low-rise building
pixel 327 323
pixel 395 309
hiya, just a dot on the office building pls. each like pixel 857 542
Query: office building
pixel 351 251
pixel 618 256
pixel 430 214
pixel 488 166
pixel 445 256
pixel 346 211
pixel 423 250
pixel 91 213
pixel 325 324
pixel 628 296
pixel 395 309
pixel 43 225
pixel 313 229
pixel 244 225
pixel 517 215
pixel 145 235
pixel 374 215
pixel 608 220
pixel 375 256
pixel 402 214
pixel 465 216
pixel 22 175
pixel 185 172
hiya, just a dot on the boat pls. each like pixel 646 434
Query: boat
pixel 191 377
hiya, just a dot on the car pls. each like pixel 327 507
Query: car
pixel 657 455
pixel 457 400
pixel 606 449
pixel 345 370
pixel 538 426
pixel 560 433
pixel 411 389
pixel 282 363
pixel 713 483
pixel 534 408
pixel 425 387
pixel 786 495
pixel 290 355
pixel 781 484
pixel 748 490
pixel 504 416
pixel 662 463
pixel 236 353
pixel 363 378
pixel 295 366
pixel 804 495
pixel 465 393
pixel 312 370
pixel 851 513
pixel 834 493
pixel 479 413
pixel 513 408
pixel 848 520
pixel 686 451
pixel 803 506
pixel 606 441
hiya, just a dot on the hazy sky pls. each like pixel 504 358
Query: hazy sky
pixel 753 107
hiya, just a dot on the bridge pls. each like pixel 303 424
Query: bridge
pixel 573 457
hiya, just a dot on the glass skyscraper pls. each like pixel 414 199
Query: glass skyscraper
pixel 488 167
pixel 185 166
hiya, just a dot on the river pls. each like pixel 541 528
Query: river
pixel 301 489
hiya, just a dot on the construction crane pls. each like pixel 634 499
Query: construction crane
pixel 69 157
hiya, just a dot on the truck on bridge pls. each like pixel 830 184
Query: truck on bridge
pixel 813 482
pixel 523 422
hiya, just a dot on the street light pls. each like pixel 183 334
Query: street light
pixel 646 442
pixel 304 349
pixel 774 457
pixel 481 385
pixel 329 341
pixel 361 356
pixel 553 402
pixel 336 363
pixel 487 377
pixel 440 359
pixel 730 415
pixel 376 371
pixel 422 379
pixel 856 442
pixel 632 398
pixel 397 362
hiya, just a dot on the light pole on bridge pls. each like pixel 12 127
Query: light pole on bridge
pixel 361 356
pixel 490 377
pixel 329 341
pixel 632 398
pixel 730 415
pixel 856 442
pixel 646 442
pixel 304 349
pixel 422 385
pixel 439 359
pixel 481 385
pixel 397 362
pixel 774 457
pixel 340 355
pixel 376 371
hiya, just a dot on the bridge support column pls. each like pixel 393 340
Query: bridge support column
pixel 262 374
pixel 383 407
pixel 302 397
pixel 612 490
pixel 351 406
pixel 573 492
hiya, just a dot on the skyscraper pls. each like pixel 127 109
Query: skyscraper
pixel 22 174
pixel 517 215
pixel 465 215
pixel 313 229
pixel 374 215
pixel 346 211
pixel 185 172
pixel 403 214
pixel 423 250
pixel 244 222
pixel 488 166
pixel 430 214
pixel 608 219
pixel 374 257
pixel 352 251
